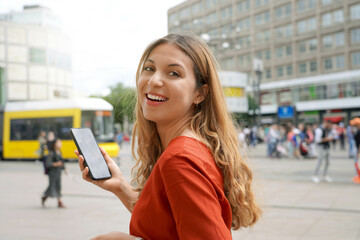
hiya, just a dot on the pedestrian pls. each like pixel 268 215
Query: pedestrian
pixel 334 133
pixel 350 136
pixel 42 150
pixel 289 139
pixel 323 137
pixel 192 182
pixel 296 140
pixel 42 144
pixel 356 122
pixel 55 164
pixel 341 134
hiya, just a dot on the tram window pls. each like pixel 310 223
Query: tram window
pixel 29 129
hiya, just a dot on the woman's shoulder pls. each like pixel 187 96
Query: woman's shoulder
pixel 187 149
pixel 184 145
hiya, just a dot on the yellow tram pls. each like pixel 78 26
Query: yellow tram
pixel 23 121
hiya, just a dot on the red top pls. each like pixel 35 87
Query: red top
pixel 183 197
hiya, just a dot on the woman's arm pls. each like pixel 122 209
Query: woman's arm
pixel 116 184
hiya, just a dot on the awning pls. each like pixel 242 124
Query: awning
pixel 334 119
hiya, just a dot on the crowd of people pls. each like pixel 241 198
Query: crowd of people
pixel 296 141
pixel 307 140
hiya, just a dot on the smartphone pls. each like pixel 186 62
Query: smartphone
pixel 89 149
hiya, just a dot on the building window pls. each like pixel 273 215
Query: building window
pixel 243 24
pixel 311 24
pixel 268 73
pixel 289 70
pixel 288 10
pixel 288 50
pixel 313 66
pixel 302 46
pixel 340 61
pixel 210 3
pixel 312 3
pixel 324 2
pixel 328 64
pixel 312 44
pixel 327 41
pixel 334 17
pixel 197 7
pixel 300 5
pixel 339 39
pixel 280 72
pixel 302 68
pixel 355 59
pixel 306 25
pixel 267 55
pixel 288 30
pixel 339 16
pixel 37 55
pixel 226 12
pixel 262 18
pixel 355 11
pixel 355 35
pixel 280 52
pixel 326 19
pixel 301 27
pixel 243 6
pixel 278 12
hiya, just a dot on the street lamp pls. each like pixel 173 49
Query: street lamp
pixel 258 69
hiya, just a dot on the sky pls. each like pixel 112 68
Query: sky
pixel 108 36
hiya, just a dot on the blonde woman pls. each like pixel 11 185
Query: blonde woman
pixel 192 182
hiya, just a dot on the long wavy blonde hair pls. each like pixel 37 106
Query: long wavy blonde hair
pixel 211 122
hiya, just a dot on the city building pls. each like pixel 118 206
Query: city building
pixel 310 51
pixel 35 56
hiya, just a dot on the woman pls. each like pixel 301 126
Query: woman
pixel 192 182
pixel 55 164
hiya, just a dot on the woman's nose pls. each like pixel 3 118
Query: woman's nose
pixel 156 80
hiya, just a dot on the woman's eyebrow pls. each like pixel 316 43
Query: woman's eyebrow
pixel 169 65
pixel 176 65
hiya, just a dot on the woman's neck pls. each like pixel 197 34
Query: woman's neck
pixel 168 133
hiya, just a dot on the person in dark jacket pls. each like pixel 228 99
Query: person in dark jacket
pixel 55 165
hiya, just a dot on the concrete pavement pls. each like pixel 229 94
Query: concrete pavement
pixel 294 207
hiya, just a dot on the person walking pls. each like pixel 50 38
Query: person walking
pixel 356 122
pixel 191 180
pixel 55 164
pixel 351 140
pixel 323 138
pixel 43 149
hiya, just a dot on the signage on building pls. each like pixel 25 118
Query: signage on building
pixel 286 112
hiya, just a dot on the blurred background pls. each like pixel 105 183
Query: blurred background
pixel 286 66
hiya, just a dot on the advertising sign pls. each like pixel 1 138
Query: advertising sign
pixel 286 112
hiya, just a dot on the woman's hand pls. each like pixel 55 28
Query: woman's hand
pixel 116 184
pixel 114 236
pixel 112 184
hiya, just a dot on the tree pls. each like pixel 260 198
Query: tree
pixel 123 99
pixel 245 118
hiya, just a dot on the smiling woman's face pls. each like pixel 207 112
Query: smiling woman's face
pixel 167 86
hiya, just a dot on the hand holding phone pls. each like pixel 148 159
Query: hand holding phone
pixel 89 149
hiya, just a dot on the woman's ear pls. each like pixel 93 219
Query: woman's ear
pixel 201 94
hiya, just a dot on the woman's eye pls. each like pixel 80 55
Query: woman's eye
pixel 175 74
pixel 148 69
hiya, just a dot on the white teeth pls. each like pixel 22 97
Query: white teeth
pixel 156 98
